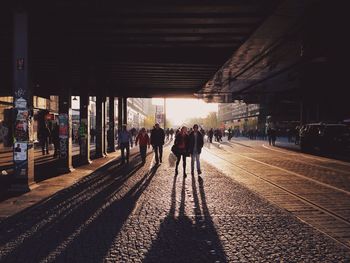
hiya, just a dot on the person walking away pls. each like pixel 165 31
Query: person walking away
pixel 143 140
pixel 269 133
pixel 273 136
pixel 195 145
pixel 229 136
pixel 167 133
pixel 44 139
pixel 211 134
pixel 171 133
pixel 181 143
pixel 124 141
pixel 296 135
pixel 157 141
pixel 219 134
pixel 55 139
pixel 133 135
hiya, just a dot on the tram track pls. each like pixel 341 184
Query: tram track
pixel 344 174
pixel 338 218
pixel 308 157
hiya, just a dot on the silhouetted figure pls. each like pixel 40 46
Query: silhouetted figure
pixel 167 133
pixel 44 136
pixel 195 145
pixel 143 140
pixel 271 135
pixel 210 135
pixel 157 141
pixel 124 141
pixel 181 143
pixel 171 133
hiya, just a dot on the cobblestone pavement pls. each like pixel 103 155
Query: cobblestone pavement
pixel 312 188
pixel 144 213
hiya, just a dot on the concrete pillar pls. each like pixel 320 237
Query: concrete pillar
pixel 84 129
pixel 125 111
pixel 99 127
pixel 104 126
pixel 120 113
pixel 111 130
pixel 23 148
pixel 65 129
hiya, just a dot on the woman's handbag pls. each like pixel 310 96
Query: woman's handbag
pixel 174 150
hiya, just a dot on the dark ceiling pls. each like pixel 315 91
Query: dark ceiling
pixel 297 51
pixel 219 50
pixel 130 48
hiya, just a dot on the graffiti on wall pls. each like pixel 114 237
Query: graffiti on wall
pixel 63 125
pixel 21 134
pixel 83 136
pixel 63 134
pixel 63 148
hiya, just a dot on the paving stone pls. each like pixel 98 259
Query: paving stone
pixel 142 215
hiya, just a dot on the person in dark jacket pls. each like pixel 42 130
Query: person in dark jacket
pixel 181 144
pixel 210 135
pixel 157 142
pixel 195 145
pixel 44 136
pixel 124 141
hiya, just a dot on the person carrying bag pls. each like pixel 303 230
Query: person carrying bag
pixel 181 149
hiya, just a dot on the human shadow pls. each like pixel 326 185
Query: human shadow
pixel 180 239
pixel 52 229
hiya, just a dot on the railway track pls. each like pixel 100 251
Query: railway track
pixel 321 174
pixel 290 193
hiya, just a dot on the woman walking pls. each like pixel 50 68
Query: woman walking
pixel 181 144
pixel 143 139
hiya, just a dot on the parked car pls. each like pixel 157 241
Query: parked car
pixel 325 137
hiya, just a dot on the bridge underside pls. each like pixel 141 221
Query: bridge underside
pixel 220 51
pixel 130 48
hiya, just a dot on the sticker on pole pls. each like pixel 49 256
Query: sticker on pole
pixel 20 151
pixel 63 125
pixel 20 103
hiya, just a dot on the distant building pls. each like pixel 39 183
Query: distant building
pixel 240 115
pixel 136 112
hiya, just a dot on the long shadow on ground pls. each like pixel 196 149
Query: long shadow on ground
pixel 182 240
pixel 59 229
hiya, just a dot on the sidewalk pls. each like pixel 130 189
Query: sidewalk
pixel 48 185
pixel 42 163
pixel 146 214
pixel 44 190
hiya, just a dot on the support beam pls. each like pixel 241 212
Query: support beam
pixel 84 129
pixel 120 113
pixel 99 127
pixel 65 130
pixel 111 130
pixel 23 148
pixel 104 126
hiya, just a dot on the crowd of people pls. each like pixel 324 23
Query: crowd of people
pixel 187 143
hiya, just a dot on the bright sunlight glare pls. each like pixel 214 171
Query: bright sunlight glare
pixel 180 110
